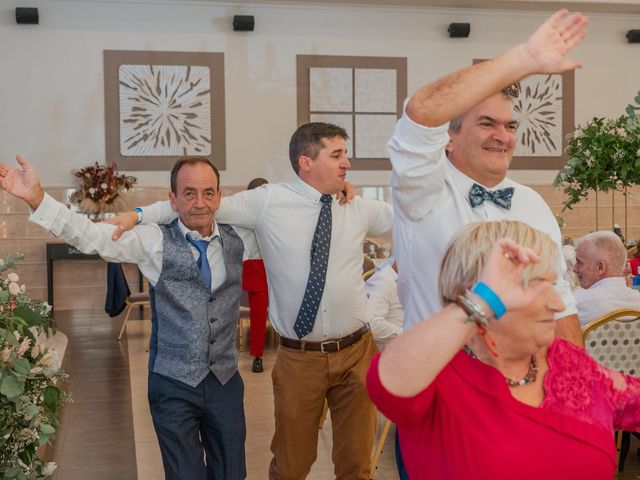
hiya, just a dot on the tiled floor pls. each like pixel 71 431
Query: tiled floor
pixel 106 433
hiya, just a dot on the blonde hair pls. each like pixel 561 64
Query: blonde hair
pixel 468 250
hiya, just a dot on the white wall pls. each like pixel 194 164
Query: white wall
pixel 52 104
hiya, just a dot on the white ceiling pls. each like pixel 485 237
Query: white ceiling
pixel 590 6
pixel 599 6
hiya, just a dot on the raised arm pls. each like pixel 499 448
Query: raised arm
pixel 412 361
pixel 545 52
pixel 78 230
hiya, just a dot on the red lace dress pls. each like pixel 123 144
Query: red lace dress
pixel 467 425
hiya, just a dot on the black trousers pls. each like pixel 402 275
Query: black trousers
pixel 194 424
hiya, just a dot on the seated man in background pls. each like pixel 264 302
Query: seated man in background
pixel 385 307
pixel 600 266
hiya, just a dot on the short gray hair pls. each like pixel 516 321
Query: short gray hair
pixel 468 250
pixel 608 248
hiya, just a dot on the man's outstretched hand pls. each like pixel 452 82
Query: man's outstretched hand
pixel 549 46
pixel 22 182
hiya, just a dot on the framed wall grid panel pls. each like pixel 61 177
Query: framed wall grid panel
pixel 364 95
pixel 160 106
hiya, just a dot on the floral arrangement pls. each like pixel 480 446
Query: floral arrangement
pixel 101 188
pixel 30 379
pixel 604 155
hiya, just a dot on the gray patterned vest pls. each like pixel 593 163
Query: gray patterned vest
pixel 194 330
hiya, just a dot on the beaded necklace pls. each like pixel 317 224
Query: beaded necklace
pixel 530 377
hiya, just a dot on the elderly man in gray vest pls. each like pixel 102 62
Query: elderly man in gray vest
pixel 194 264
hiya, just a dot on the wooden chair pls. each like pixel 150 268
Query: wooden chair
pixel 243 315
pixel 377 451
pixel 139 299
pixel 613 340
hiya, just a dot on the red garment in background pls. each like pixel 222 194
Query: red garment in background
pixel 467 425
pixel 254 282
pixel 633 263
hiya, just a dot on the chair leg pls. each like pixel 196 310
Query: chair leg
pixel 240 334
pixel 124 322
pixel 378 450
pixel 624 449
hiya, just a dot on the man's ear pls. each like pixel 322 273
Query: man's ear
pixel 172 200
pixel 449 147
pixel 304 163
pixel 602 267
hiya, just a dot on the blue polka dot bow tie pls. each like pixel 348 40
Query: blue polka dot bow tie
pixel 478 194
pixel 318 273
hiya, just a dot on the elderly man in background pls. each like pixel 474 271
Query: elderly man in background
pixel 450 154
pixel 600 266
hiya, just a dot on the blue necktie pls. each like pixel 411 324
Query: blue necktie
pixel 318 274
pixel 478 194
pixel 203 261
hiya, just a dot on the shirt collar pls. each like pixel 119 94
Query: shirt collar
pixel 464 183
pixel 307 190
pixel 196 235
pixel 609 281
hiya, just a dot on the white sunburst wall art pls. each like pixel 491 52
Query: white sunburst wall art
pixel 164 110
pixel 538 110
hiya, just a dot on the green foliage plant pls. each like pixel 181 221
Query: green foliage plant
pixel 604 155
pixel 30 379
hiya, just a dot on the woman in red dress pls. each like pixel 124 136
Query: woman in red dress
pixel 483 389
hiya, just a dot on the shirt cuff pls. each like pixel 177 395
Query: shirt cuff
pixel 46 212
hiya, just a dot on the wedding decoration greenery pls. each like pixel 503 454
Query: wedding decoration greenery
pixel 101 188
pixel 30 379
pixel 604 155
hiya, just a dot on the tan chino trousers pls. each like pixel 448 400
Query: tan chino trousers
pixel 301 382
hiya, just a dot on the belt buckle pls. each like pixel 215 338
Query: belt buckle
pixel 322 346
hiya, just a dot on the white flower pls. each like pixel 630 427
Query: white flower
pixel 23 288
pixel 14 288
pixel 104 186
pixel 49 468
pixel 92 190
pixel 35 351
pixel 13 277
pixel 35 370
pixel 88 175
pixel 47 360
pixel 24 346
pixel 5 354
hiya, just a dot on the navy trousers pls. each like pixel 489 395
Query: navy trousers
pixel 197 423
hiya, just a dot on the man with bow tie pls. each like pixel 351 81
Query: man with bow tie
pixel 450 154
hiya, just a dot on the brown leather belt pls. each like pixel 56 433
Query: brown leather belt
pixel 325 347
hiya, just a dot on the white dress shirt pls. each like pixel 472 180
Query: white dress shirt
pixel 603 297
pixel 386 311
pixel 430 200
pixel 142 245
pixel 284 218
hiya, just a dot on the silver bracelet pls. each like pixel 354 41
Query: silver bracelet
pixel 475 312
